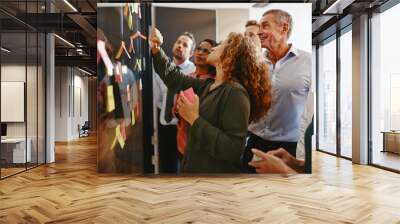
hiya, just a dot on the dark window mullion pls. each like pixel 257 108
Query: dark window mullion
pixel 338 98
pixel 317 93
pixel 26 88
pixel 37 91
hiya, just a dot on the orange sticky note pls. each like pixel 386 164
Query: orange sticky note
pixel 126 9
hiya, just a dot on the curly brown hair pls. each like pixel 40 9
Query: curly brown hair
pixel 241 60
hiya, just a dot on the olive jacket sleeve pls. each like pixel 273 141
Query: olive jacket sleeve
pixel 173 78
pixel 226 142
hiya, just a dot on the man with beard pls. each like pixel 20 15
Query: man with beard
pixel 182 50
pixel 290 71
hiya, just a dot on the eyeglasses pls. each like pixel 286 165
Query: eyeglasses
pixel 204 50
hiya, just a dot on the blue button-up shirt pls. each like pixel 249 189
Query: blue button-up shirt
pixel 160 91
pixel 291 82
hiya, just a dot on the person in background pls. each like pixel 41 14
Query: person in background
pixel 203 71
pixel 182 51
pixel 251 30
pixel 290 70
pixel 222 109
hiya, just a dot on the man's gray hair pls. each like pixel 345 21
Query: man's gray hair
pixel 282 17
pixel 190 36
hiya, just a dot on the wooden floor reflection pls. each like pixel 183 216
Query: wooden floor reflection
pixel 71 191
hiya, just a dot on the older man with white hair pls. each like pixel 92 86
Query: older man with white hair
pixel 290 71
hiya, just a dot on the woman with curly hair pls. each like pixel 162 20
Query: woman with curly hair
pixel 223 107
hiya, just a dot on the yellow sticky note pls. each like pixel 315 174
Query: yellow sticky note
pixel 114 143
pixel 130 22
pixel 133 117
pixel 139 64
pixel 119 137
pixel 109 72
pixel 110 99
pixel 121 141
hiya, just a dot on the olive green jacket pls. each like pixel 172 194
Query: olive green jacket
pixel 216 140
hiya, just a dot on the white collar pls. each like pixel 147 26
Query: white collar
pixel 292 50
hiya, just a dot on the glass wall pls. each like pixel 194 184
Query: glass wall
pixel 385 89
pixel 327 96
pixel 346 93
pixel 22 89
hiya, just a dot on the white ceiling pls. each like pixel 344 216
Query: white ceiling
pixel 206 5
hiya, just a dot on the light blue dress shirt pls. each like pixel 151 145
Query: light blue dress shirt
pixel 160 91
pixel 291 82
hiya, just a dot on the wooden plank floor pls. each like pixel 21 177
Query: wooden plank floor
pixel 70 191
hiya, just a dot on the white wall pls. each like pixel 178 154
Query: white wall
pixel 33 127
pixel 230 20
pixel 70 83
pixel 17 73
pixel 301 14
pixel 62 81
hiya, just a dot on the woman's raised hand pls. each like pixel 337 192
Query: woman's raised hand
pixel 155 40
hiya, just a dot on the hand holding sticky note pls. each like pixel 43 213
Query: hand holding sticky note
pixel 188 105
pixel 189 94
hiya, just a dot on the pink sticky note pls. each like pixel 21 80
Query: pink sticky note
pixel 123 132
pixel 189 94
pixel 101 47
pixel 128 93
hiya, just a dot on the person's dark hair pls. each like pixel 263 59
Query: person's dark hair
pixel 252 23
pixel 212 42
pixel 211 69
pixel 191 36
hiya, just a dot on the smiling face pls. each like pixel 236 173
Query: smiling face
pixel 182 49
pixel 201 53
pixel 272 32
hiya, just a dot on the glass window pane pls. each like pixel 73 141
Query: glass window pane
pixel 13 86
pixel 31 97
pixel 327 97
pixel 385 84
pixel 346 94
